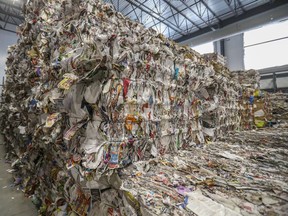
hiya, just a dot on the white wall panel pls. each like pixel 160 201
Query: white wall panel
pixel 234 52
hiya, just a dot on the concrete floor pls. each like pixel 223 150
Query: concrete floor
pixel 12 201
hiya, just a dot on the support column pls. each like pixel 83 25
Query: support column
pixel 233 49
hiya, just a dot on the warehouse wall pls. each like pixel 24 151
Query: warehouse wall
pixel 281 84
pixel 281 77
pixel 6 39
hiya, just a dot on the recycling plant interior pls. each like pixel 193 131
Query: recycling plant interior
pixel 98 110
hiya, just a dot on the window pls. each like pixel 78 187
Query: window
pixel 267 46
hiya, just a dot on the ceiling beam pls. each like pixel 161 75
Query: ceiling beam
pixel 180 11
pixel 162 20
pixel 8 30
pixel 241 6
pixel 133 9
pixel 231 8
pixel 10 5
pixel 8 22
pixel 261 15
pixel 3 11
pixel 277 69
pixel 176 9
pixel 211 11
pixel 208 24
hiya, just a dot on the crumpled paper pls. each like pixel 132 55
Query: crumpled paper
pixel 89 92
pixel 254 104
pixel 205 181
pixel 279 107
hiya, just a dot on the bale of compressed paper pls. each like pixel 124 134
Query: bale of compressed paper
pixel 216 57
pixel 279 107
pixel 89 91
pixel 254 103
pixel 248 78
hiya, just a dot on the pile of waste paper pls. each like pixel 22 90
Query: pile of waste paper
pixel 89 93
pixel 279 107
pixel 234 176
pixel 255 104
pixel 248 78
pixel 216 57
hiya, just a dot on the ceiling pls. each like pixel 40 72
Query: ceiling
pixel 176 19
pixel 10 14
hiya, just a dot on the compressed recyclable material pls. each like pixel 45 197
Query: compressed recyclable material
pixel 255 104
pixel 90 92
pixel 237 175
pixel 215 57
pixel 248 78
pixel 279 107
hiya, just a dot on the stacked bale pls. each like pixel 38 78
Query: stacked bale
pixel 89 91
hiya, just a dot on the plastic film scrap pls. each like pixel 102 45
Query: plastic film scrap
pixel 97 108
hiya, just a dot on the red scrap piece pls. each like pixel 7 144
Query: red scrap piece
pixel 126 83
